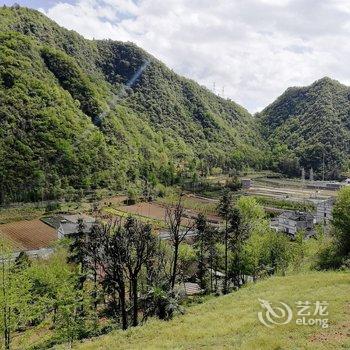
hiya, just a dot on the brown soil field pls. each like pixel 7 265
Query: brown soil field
pixel 28 235
pixel 150 210
pixel 156 211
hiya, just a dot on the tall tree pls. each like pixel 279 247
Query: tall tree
pixel 14 295
pixel 341 223
pixel 77 252
pixel 139 246
pixel 111 261
pixel 92 248
pixel 224 209
pixel 178 231
pixel 201 227
pixel 237 236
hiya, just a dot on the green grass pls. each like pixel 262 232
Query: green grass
pixel 156 224
pixel 31 211
pixel 190 203
pixel 284 204
pixel 230 322
pixel 23 212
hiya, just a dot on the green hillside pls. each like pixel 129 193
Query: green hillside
pixel 231 322
pixel 74 115
pixel 310 125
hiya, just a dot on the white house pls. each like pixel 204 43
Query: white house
pixel 324 211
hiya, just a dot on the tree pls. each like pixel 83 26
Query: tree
pixel 111 261
pixel 139 245
pixel 205 242
pixel 201 227
pixel 77 256
pixel 279 254
pixel 177 232
pixel 15 295
pixel 77 251
pixel 224 209
pixel 237 235
pixel 124 249
pixel 341 223
pixel 92 247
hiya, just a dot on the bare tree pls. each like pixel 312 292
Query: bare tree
pixel 178 231
pixel 111 262
pixel 139 246
pixel 124 250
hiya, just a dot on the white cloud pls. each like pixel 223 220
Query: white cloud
pixel 253 48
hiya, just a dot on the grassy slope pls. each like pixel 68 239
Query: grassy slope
pixel 230 322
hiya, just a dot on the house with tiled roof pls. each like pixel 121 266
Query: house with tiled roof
pixel 290 222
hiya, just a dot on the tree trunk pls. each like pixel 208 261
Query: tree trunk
pixel 123 307
pixel 225 289
pixel 95 287
pixel 135 302
pixel 173 277
pixel 211 274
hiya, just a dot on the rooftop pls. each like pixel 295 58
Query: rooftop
pixel 296 216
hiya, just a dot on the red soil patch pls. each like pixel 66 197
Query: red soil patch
pixel 150 210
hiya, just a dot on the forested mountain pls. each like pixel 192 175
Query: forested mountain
pixel 86 114
pixel 75 113
pixel 308 127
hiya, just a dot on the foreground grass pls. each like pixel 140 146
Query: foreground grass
pixel 230 322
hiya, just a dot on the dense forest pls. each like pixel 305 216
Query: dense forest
pixel 80 114
pixel 310 127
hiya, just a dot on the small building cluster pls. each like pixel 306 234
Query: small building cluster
pixel 66 225
pixel 290 222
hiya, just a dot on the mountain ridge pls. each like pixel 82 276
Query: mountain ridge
pixel 313 123
pixel 54 86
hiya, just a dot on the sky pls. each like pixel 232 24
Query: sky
pixel 252 50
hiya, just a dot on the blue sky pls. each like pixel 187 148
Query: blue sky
pixel 251 49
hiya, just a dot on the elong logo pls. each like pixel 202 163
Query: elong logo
pixel 282 314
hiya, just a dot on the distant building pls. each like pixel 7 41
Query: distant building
pixel 324 211
pixel 247 183
pixel 324 185
pixel 68 224
pixel 334 185
pixel 291 222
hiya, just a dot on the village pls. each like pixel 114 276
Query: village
pixel 283 201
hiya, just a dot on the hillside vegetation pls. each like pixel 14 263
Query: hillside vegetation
pixel 309 126
pixel 80 114
pixel 231 322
